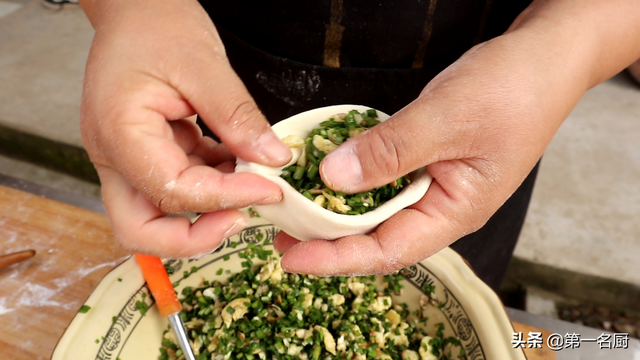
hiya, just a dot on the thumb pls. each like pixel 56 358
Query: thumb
pixel 391 149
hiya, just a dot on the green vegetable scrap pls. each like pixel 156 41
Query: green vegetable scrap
pixel 84 309
pixel 169 268
pixel 264 313
pixel 253 213
pixel 304 177
pixel 142 307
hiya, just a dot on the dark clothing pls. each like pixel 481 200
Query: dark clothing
pixel 375 34
pixel 299 55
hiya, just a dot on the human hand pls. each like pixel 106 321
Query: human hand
pixel 150 67
pixel 479 127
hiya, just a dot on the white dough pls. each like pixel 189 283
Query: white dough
pixel 305 220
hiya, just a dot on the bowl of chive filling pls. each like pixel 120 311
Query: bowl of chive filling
pixel 310 209
pixel 238 303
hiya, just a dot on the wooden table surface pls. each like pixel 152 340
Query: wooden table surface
pixel 39 297
pixel 75 249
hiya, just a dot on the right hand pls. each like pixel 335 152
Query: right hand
pixel 150 66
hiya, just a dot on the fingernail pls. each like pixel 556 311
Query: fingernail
pixel 342 169
pixel 272 148
pixel 236 227
pixel 285 266
pixel 270 200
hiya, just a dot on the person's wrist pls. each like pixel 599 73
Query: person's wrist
pixel 107 13
pixel 596 40
pixel 534 65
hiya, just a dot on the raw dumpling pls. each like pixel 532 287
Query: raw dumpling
pixel 305 220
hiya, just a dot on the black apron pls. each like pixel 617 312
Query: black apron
pixel 294 56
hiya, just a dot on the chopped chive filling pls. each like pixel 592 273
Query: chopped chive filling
pixel 264 313
pixel 304 177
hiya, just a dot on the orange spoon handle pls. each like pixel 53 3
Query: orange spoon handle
pixel 159 283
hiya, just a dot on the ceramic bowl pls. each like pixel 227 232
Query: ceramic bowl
pixel 115 329
pixel 304 220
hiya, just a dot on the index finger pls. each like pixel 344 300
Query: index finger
pixel 141 227
pixel 161 168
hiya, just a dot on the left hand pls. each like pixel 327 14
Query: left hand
pixel 479 127
pixel 151 65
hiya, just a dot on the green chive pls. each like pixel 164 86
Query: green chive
pixel 297 175
pixel 312 172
